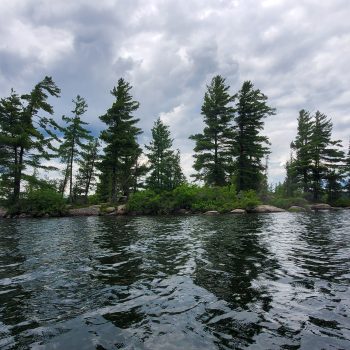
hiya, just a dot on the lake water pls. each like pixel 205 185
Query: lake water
pixel 274 281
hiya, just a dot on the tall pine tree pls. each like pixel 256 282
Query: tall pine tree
pixel 10 130
pixel 27 132
pixel 87 162
pixel 302 147
pixel 347 172
pixel 121 149
pixel 291 181
pixel 75 135
pixel 326 154
pixel 250 146
pixel 165 169
pixel 176 174
pixel 213 148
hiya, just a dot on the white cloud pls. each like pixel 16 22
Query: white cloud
pixel 297 53
pixel 42 44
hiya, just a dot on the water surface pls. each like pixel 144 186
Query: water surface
pixel 275 281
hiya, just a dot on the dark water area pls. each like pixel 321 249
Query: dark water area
pixel 275 281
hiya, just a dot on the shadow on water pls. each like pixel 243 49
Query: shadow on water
pixel 233 259
pixel 325 249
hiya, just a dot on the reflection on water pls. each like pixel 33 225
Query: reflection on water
pixel 278 281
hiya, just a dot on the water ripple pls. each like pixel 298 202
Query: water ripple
pixel 257 281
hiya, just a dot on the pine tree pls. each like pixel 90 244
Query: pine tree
pixel 302 147
pixel 165 170
pixel 74 136
pixel 122 150
pixel 26 135
pixel 250 146
pixel 291 181
pixel 334 185
pixel 87 168
pixel 176 174
pixel 139 171
pixel 213 148
pixel 10 131
pixel 347 172
pixel 326 155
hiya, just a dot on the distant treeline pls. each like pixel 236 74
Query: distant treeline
pixel 230 151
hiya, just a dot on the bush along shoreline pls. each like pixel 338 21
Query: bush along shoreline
pixel 185 199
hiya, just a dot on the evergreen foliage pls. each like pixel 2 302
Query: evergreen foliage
pixel 165 170
pixel 229 155
pixel 26 134
pixel 326 155
pixel 319 161
pixel 290 185
pixel 347 172
pixel 213 148
pixel 249 145
pixel 86 176
pixel 121 151
pixel 302 146
pixel 75 135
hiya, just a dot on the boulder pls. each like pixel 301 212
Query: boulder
pixel 320 206
pixel 211 212
pixel 183 211
pixel 109 210
pixel 121 209
pixel 93 210
pixel 336 208
pixel 238 211
pixel 296 209
pixel 24 216
pixel 266 209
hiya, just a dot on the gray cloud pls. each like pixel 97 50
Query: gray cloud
pixel 297 53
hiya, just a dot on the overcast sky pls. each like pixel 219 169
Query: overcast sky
pixel 296 52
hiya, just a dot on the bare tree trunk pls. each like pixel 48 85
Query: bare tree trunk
pixel 65 180
pixel 18 176
pixel 114 186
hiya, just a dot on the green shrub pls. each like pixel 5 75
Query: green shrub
pixel 41 202
pixel 191 197
pixel 286 203
pixel 144 202
pixel 222 199
pixel 342 202
pixel 248 199
pixel 93 199
pixel 185 195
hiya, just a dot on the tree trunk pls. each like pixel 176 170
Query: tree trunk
pixel 216 172
pixel 113 197
pixel 18 177
pixel 65 180
pixel 71 170
pixel 305 181
pixel 240 161
pixel 88 182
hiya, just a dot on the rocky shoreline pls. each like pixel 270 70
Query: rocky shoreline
pixel 121 210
